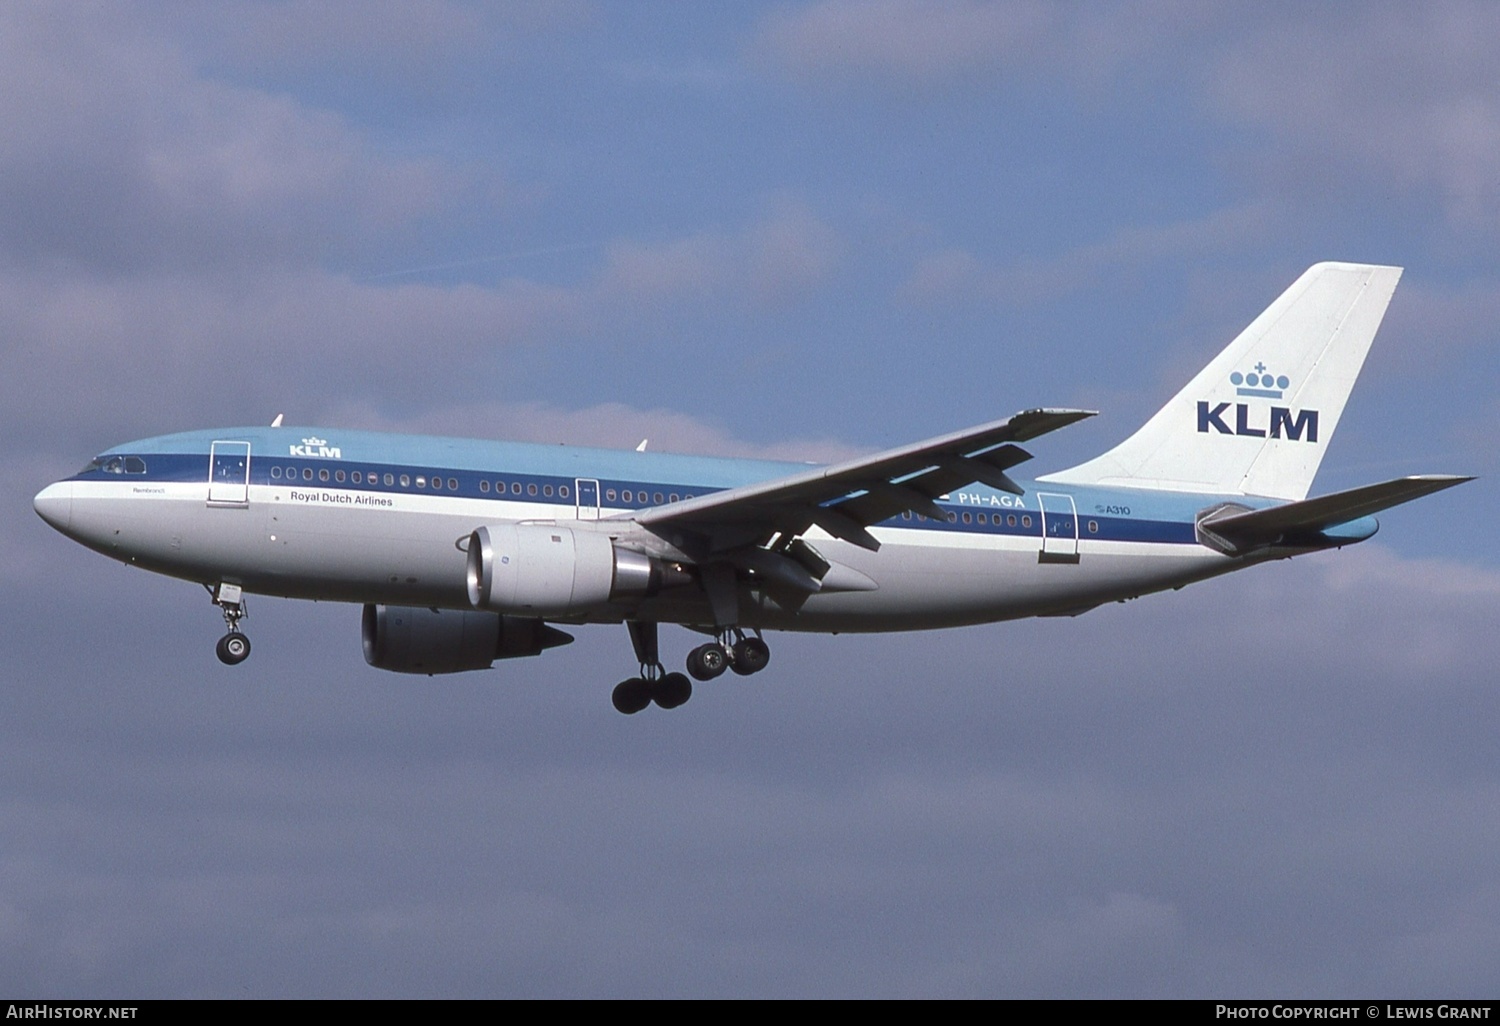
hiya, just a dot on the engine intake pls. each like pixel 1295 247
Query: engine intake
pixel 546 570
pixel 415 639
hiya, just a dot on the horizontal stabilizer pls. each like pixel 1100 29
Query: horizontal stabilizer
pixel 1233 530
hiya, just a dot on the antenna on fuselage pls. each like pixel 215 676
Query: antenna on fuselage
pixel 642 446
pixel 277 421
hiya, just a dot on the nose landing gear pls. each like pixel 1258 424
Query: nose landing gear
pixel 234 647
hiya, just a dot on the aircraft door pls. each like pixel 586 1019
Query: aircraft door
pixel 1059 528
pixel 587 490
pixel 229 474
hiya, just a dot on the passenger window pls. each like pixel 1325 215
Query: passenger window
pixel 323 474
pixel 1010 521
pixel 531 489
pixel 307 473
pixel 405 480
pixel 968 518
pixel 275 472
pixel 1093 527
pixel 547 491
pixel 355 477
pixel 657 498
pixel 389 480
pixel 672 497
pixel 453 484
pixel 610 494
pixel 338 475
pixel 515 488
pixel 484 486
pixel 422 482
pixel 1026 521
pixel 626 495
pixel 562 490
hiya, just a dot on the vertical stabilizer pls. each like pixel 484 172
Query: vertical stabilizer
pixel 1257 420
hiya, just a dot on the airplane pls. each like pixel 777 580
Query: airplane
pixel 466 552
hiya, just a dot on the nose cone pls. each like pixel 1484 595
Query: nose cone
pixel 54 504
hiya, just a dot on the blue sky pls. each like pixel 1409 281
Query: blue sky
pixel 795 229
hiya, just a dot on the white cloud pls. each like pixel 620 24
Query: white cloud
pixel 117 156
pixel 1136 251
pixel 951 44
pixel 606 425
pixel 1404 96
pixel 909 38
pixel 371 37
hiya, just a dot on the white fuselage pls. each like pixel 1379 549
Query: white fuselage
pixel 296 535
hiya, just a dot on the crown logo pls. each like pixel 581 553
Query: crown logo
pixel 1259 382
pixel 314 441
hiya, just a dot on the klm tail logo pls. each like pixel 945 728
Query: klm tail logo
pixel 1296 425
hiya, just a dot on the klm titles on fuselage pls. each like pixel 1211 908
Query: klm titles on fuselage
pixel 1284 422
pixel 317 447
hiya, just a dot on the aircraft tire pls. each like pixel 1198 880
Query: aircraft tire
pixel 631 696
pixel 750 656
pixel 672 690
pixel 707 661
pixel 233 648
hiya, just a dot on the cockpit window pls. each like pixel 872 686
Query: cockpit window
pixel 116 465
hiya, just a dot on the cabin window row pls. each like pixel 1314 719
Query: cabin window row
pixel 436 482
pixel 1010 519
pixel 984 519
pixel 339 476
pixel 546 491
pixel 628 496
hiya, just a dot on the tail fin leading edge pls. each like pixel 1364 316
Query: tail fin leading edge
pixel 1258 418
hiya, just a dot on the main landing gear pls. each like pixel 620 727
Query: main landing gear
pixel 669 690
pixel 234 647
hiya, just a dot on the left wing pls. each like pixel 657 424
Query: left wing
pixel 846 498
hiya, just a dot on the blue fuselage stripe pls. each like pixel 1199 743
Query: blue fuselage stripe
pixel 1002 518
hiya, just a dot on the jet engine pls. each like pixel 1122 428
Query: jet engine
pixel 547 570
pixel 408 639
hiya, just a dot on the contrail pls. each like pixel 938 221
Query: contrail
pixel 517 255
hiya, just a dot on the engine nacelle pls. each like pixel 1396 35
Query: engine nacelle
pixel 416 639
pixel 546 570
